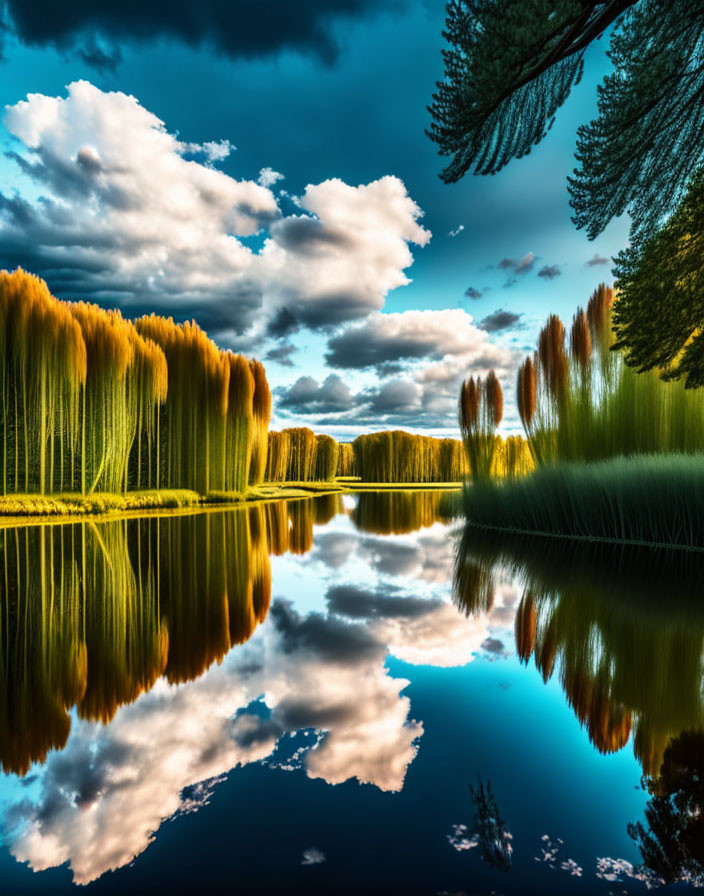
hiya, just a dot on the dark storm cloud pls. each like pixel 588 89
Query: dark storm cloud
pixel 282 354
pixel 327 638
pixel 294 715
pixel 238 29
pixel 249 730
pixel 493 645
pixel 397 396
pixel 307 396
pixel 348 600
pixel 307 236
pixel 549 271
pixel 500 320
pixel 597 260
pixel 363 346
pixel 325 312
pixel 472 293
pixel 283 323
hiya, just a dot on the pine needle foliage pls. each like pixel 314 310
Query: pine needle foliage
pixel 511 64
pixel 660 282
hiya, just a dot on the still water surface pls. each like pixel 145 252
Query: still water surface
pixel 297 697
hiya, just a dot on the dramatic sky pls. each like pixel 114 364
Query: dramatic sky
pixel 262 167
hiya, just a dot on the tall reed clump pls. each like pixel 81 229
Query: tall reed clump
pixel 398 456
pixel 345 460
pixel 278 451
pixel 578 400
pixel 480 412
pixel 262 412
pixel 208 425
pixel 302 453
pixel 326 454
pixel 43 375
pixel 647 499
pixel 94 403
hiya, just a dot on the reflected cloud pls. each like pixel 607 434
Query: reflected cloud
pixel 306 691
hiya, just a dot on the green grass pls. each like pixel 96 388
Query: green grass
pixel 654 499
pixel 107 503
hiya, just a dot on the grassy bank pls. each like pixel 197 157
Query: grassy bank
pixel 15 507
pixel 655 499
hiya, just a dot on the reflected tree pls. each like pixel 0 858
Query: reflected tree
pixel 672 840
pixel 494 838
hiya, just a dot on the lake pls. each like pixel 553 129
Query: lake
pixel 345 694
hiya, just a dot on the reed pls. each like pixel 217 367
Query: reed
pixel 346 466
pixel 480 413
pixel 579 401
pixel 262 412
pixel 278 452
pixel 649 499
pixel 94 403
pixel 619 626
pixel 326 455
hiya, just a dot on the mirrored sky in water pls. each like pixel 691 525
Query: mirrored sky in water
pixel 332 750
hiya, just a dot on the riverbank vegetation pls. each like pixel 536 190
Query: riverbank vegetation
pixel 94 403
pixel 618 451
pixel 643 500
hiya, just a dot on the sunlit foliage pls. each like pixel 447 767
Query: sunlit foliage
pixel 278 451
pixel 397 512
pixel 398 456
pixel 345 460
pixel 481 410
pixel 326 455
pixel 262 413
pixel 578 400
pixel 94 403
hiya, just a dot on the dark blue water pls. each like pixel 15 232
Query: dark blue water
pixel 333 749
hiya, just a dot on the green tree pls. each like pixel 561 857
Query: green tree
pixel 511 64
pixel 659 316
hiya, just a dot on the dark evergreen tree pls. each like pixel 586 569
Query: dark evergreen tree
pixel 659 315
pixel 511 64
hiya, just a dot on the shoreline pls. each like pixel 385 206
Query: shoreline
pixel 29 509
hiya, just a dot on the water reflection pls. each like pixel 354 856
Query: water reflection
pixel 91 615
pixel 397 513
pixel 623 629
pixel 102 626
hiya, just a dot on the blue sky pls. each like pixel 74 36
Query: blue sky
pixel 310 281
